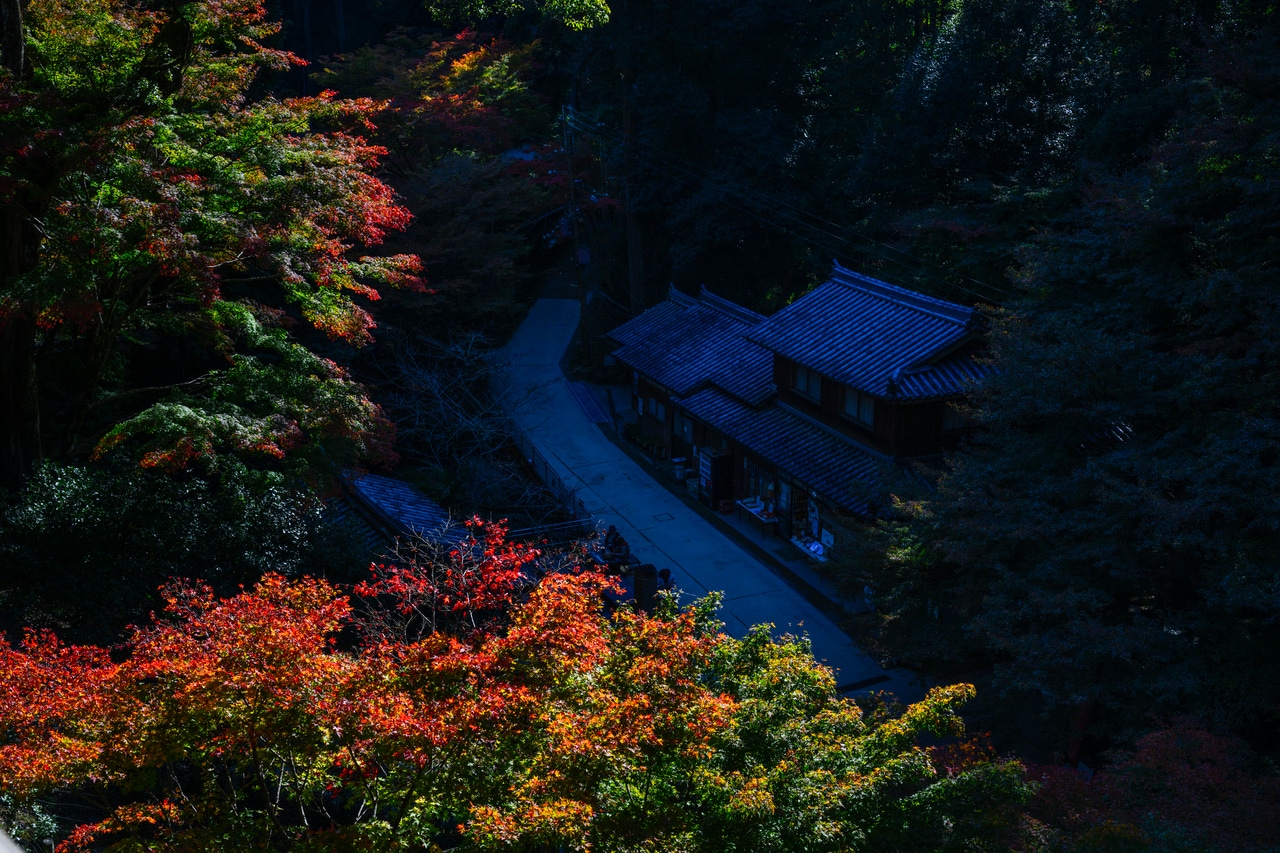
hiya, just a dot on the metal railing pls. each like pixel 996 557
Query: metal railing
pixel 566 496
pixel 558 534
pixel 579 526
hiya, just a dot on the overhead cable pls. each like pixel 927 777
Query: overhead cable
pixel 693 175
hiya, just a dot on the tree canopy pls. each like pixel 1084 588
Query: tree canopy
pixel 1108 538
pixel 150 194
pixel 179 286
pixel 287 718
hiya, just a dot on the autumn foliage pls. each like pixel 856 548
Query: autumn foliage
pixel 463 587
pixel 152 194
pixel 453 104
pixel 272 720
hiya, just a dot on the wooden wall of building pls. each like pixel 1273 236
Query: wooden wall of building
pixel 887 434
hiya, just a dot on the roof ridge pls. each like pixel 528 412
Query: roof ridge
pixel 732 309
pixel 940 308
pixel 710 384
pixel 680 298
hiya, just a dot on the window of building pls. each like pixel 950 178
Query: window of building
pixel 759 482
pixel 952 420
pixel 657 409
pixel 806 382
pixel 860 407
pixel 684 426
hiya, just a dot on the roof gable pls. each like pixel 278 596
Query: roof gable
pixel 867 333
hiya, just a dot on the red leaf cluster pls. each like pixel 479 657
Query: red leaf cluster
pixel 275 715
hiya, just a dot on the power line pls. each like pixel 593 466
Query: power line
pixel 667 161
pixel 694 174
pixel 766 200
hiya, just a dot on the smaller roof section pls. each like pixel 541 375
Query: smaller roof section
pixel 408 509
pixel 831 464
pixel 945 377
pixel 872 335
pixel 684 344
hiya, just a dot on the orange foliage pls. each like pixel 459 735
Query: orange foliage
pixel 282 718
pixel 256 694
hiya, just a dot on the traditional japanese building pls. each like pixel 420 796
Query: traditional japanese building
pixel 793 416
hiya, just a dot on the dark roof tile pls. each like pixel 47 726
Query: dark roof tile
pixel 860 331
pixel 950 375
pixel 683 344
pixel 834 466
pixel 408 507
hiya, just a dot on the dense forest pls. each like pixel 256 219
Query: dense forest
pixel 246 246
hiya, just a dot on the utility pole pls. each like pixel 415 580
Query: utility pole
pixel 566 117
pixel 635 258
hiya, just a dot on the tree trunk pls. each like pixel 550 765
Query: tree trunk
pixel 306 30
pixel 19 397
pixel 340 14
pixel 302 20
pixel 19 401
pixel 1081 717
pixel 12 45
pixel 635 258
pixel 635 261
pixel 100 348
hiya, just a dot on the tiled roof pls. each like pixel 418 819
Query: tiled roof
pixel 656 320
pixel 339 512
pixel 949 375
pixel 835 467
pixel 684 343
pixel 860 331
pixel 409 508
pixel 1107 438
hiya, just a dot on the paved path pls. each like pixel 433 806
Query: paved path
pixel 660 528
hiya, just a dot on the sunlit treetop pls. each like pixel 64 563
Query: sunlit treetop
pixel 574 14
pixel 242 723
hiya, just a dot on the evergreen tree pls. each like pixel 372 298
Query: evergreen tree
pixel 1111 535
